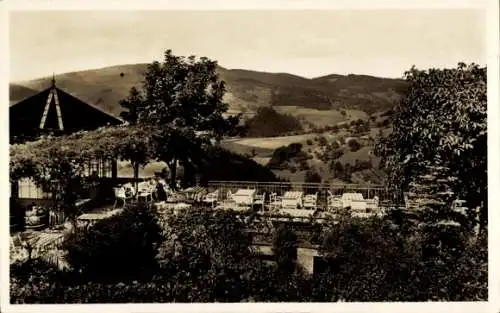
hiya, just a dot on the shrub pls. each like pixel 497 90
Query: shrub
pixel 335 154
pixel 304 165
pixel 117 248
pixel 334 145
pixel 312 176
pixel 285 244
pixel 286 154
pixel 381 263
pixel 221 164
pixel 354 145
pixel 309 142
pixel 206 257
pixel 269 123
pixel 322 141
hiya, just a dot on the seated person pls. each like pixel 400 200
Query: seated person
pixel 161 193
pixel 129 190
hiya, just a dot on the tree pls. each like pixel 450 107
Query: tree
pixel 183 99
pixel 207 256
pixel 267 122
pixel 312 176
pixel 354 145
pixel 57 164
pixel 137 147
pixel 442 117
pixel 336 167
pixel 132 103
pixel 366 259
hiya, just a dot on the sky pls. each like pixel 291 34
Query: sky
pixel 308 43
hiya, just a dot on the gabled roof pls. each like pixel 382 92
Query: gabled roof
pixel 54 110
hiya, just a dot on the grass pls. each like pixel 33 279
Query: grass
pixel 237 146
pixel 125 169
pixel 321 118
pixel 362 154
pixel 272 143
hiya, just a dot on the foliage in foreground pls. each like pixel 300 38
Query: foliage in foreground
pixel 205 256
pixel 124 247
pixel 377 260
pixel 442 121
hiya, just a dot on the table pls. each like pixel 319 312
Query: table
pixel 292 199
pixel 349 198
pixel 244 196
pixel 90 218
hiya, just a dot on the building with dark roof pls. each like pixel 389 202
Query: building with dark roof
pixel 54 111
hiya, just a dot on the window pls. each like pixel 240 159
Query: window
pixel 29 190
pixel 99 166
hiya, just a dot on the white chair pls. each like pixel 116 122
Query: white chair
pixel 275 201
pixel 211 198
pixel 334 203
pixel 311 202
pixel 129 190
pixel 372 204
pixel 145 191
pixel 120 195
pixel 153 187
pixel 259 200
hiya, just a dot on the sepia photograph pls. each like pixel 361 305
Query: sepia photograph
pixel 248 156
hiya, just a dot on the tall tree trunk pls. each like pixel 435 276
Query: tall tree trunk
pixel 136 177
pixel 173 173
pixel 189 178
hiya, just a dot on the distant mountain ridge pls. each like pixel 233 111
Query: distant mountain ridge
pixel 246 90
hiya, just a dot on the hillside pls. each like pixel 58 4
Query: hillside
pixel 306 98
pixel 18 92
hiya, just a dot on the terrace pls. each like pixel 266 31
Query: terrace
pixel 272 196
pixel 295 202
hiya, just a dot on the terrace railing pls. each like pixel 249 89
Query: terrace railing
pixel 387 197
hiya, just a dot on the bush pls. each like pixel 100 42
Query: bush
pixel 311 176
pixel 123 247
pixel 206 257
pixel 269 123
pixel 362 165
pixel 354 145
pixel 221 164
pixel 286 154
pixel 335 154
pixel 334 145
pixel 322 141
pixel 379 263
pixel 304 166
pixel 309 142
pixel 285 244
